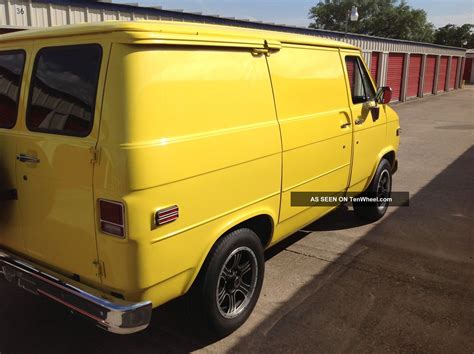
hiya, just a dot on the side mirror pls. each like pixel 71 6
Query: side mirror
pixel 375 111
pixel 384 95
pixel 373 108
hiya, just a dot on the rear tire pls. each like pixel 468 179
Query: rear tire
pixel 381 187
pixel 231 281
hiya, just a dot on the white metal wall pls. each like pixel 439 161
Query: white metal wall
pixel 24 13
pixel 28 13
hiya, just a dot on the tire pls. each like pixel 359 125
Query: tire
pixel 381 186
pixel 225 279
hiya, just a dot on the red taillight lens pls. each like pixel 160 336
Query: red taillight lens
pixel 112 217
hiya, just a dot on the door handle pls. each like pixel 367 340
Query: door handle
pixel 27 159
pixel 348 120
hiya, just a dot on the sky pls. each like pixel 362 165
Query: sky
pixel 294 12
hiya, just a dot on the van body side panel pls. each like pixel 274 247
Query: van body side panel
pixel 393 125
pixel 188 126
pixel 315 123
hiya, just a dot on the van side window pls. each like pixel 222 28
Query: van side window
pixel 11 71
pixel 361 86
pixel 63 90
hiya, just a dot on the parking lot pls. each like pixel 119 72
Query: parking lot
pixel 403 284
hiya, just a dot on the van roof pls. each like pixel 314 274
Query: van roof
pixel 146 29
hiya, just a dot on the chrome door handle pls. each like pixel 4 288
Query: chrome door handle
pixel 26 158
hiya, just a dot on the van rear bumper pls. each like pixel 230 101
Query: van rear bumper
pixel 119 316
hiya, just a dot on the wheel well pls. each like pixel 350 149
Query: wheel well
pixel 262 225
pixel 390 157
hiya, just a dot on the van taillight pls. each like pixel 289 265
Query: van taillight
pixel 112 217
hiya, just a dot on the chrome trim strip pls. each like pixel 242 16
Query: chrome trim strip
pixel 161 217
pixel 166 215
pixel 166 221
pixel 168 209
pixel 119 316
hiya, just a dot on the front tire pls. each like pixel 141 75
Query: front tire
pixel 232 281
pixel 380 187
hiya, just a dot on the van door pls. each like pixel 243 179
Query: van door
pixel 12 66
pixel 369 130
pixel 54 169
pixel 311 102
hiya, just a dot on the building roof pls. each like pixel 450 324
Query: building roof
pixel 232 21
pixel 156 29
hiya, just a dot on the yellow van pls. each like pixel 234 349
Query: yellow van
pixel 140 159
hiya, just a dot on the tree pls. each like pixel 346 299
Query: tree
pixel 384 18
pixel 455 35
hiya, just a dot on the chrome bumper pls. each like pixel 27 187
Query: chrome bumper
pixel 119 316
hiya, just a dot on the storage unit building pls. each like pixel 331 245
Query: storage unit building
pixel 453 72
pixel 388 59
pixel 430 73
pixel 442 73
pixel 468 69
pixel 395 74
pixel 414 75
pixel 374 66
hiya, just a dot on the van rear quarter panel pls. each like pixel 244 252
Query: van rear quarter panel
pixel 187 126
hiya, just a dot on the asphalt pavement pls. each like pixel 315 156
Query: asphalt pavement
pixel 402 284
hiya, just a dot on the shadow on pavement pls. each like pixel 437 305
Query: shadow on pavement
pixel 340 219
pixel 411 289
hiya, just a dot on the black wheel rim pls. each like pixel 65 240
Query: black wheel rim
pixel 237 282
pixel 384 187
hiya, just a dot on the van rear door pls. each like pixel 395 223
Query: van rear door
pixel 53 162
pixel 12 66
